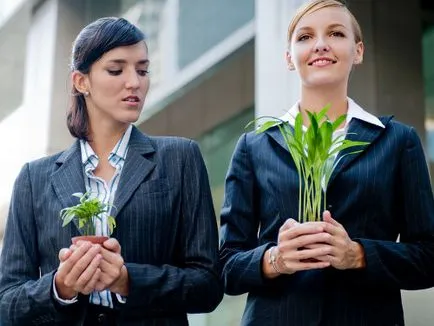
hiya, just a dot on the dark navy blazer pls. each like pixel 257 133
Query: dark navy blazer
pixel 377 195
pixel 165 224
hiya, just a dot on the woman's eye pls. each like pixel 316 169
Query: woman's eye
pixel 303 38
pixel 337 34
pixel 143 72
pixel 114 72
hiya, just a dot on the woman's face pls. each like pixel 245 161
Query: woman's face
pixel 118 83
pixel 323 48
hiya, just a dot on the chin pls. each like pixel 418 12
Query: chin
pixel 129 119
pixel 133 119
pixel 323 81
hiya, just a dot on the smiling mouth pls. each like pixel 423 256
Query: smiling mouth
pixel 321 62
pixel 131 99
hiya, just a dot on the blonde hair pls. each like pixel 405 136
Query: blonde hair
pixel 315 5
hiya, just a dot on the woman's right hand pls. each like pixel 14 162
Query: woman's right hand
pixel 78 270
pixel 292 253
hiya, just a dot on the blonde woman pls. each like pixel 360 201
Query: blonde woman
pixel 349 268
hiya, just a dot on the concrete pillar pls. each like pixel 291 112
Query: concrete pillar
pixel 38 76
pixel 71 18
pixel 13 40
pixel 276 88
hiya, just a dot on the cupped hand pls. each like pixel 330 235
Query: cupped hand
pixel 343 252
pixel 114 275
pixel 78 271
pixel 293 253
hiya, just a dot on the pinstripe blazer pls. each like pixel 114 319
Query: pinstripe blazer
pixel 165 224
pixel 377 194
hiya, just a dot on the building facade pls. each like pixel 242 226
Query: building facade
pixel 215 65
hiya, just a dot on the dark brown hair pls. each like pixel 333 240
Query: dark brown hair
pixel 90 45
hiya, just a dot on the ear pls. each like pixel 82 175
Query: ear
pixel 360 49
pixel 80 81
pixel 289 61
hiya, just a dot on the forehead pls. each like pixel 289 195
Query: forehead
pixel 325 17
pixel 135 52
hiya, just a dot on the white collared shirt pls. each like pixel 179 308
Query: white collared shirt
pixel 354 111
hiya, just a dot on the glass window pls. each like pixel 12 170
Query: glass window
pixel 217 147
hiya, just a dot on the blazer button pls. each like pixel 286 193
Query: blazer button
pixel 101 318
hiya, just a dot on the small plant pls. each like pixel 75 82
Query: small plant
pixel 85 212
pixel 313 152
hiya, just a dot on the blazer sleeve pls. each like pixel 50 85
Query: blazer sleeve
pixel 195 286
pixel 408 264
pixel 25 296
pixel 240 254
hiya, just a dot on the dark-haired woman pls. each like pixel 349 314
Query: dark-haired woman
pixel 161 261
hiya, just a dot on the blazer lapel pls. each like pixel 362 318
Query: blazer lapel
pixel 69 177
pixel 358 131
pixel 135 169
pixel 275 134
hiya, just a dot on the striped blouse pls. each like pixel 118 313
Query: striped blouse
pixel 104 191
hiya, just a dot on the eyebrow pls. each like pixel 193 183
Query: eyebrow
pixel 122 61
pixel 307 28
pixel 336 25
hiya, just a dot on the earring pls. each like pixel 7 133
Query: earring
pixel 86 94
pixel 291 66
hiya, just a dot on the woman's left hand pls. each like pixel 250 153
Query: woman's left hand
pixel 114 274
pixel 344 253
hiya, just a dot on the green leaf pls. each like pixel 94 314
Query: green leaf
pixel 111 223
pixel 347 144
pixel 326 131
pixel 273 121
pixel 311 138
pixel 298 128
pixel 323 112
pixel 267 125
pixel 327 171
pixel 339 121
pixel 67 218
pixel 313 122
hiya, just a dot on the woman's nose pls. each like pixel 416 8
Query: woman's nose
pixel 133 80
pixel 321 46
